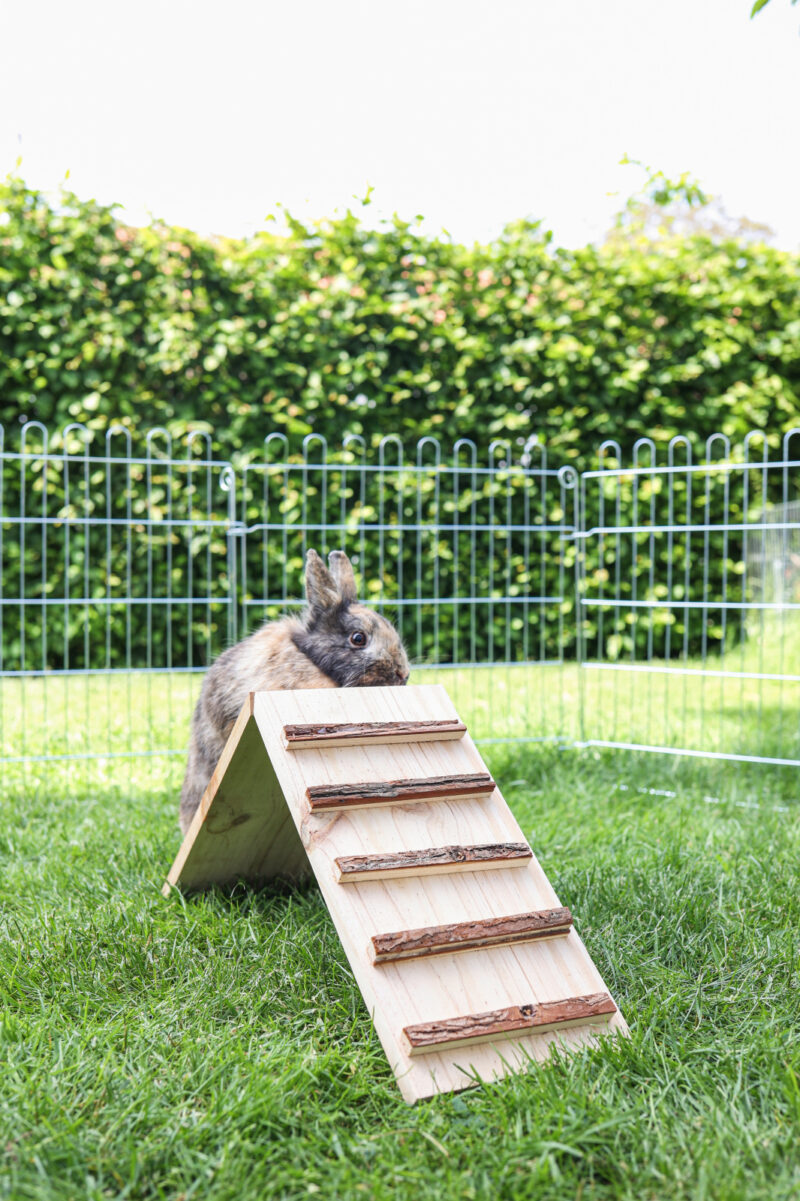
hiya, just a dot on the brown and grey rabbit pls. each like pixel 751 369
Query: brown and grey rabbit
pixel 334 643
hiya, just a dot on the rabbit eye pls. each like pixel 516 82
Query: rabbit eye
pixel 358 638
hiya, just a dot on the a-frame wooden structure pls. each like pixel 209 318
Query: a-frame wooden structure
pixel 469 965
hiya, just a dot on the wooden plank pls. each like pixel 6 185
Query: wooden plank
pixel 444 986
pixel 242 829
pixel 500 1023
pixel 431 862
pixel 300 737
pixel 322 797
pixel 468 936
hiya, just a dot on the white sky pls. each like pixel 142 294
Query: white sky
pixel 472 113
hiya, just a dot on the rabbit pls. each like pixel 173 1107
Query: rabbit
pixel 334 643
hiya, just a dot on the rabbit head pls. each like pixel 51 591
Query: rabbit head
pixel 352 645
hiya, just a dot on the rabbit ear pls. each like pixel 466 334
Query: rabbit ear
pixel 342 572
pixel 321 589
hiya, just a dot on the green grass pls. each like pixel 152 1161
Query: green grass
pixel 145 716
pixel 219 1048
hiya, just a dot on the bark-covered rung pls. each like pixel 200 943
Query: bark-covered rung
pixel 393 792
pixel 468 936
pixel 500 1023
pixel 433 861
pixel 298 737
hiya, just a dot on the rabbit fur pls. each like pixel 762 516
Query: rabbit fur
pixel 321 648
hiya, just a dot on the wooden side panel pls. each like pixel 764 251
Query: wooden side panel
pixel 242 829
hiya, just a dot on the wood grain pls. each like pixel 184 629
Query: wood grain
pixel 433 861
pixel 391 792
pixel 515 1019
pixel 242 829
pixel 299 737
pixel 468 936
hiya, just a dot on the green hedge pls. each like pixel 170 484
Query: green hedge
pixel 342 329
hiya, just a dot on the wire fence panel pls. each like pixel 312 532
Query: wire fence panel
pixel 465 552
pixel 128 562
pixel 653 604
pixel 115 590
pixel 689 599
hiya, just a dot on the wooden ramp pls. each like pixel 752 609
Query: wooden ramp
pixel 467 961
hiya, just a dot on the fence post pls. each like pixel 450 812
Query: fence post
pixel 571 480
pixel 580 529
pixel 227 483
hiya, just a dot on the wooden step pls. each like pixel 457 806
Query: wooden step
pixel 435 861
pixel 299 737
pixel 323 797
pixel 500 1023
pixel 468 936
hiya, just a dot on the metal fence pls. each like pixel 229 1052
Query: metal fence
pixel 647 604
pixel 686 646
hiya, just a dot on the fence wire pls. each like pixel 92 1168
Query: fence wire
pixel 689 599
pixel 650 604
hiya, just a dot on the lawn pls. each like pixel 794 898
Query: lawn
pixel 745 703
pixel 218 1047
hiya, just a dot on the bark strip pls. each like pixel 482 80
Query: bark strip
pixel 452 858
pixel 498 1023
pixel 351 733
pixel 467 936
pixel 388 792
